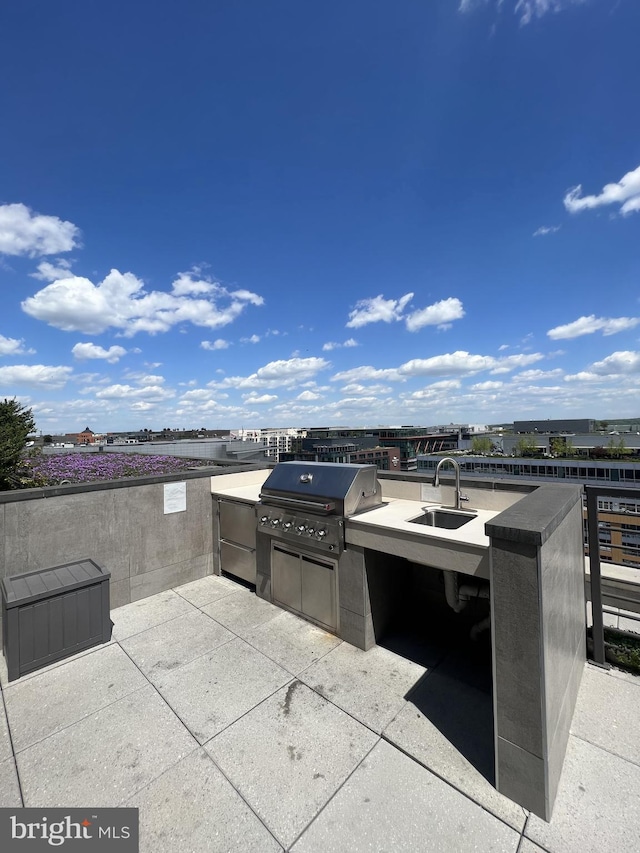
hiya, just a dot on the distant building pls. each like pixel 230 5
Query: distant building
pixel 274 442
pixel 360 451
pixel 87 436
pixel 408 441
pixel 559 426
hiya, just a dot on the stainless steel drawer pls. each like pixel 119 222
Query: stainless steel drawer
pixel 238 523
pixel 238 561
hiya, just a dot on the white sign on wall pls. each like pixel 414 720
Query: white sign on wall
pixel 175 497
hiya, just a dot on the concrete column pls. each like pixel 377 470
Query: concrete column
pixel 539 645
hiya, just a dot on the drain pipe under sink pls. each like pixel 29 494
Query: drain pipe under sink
pixel 459 595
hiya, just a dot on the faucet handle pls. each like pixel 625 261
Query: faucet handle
pixel 464 497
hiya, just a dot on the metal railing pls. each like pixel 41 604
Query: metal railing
pixel 593 493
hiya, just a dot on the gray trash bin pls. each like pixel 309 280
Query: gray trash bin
pixel 51 614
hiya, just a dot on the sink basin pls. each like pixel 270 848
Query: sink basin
pixel 449 519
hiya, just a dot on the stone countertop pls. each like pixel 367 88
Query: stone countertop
pixel 388 529
pixel 244 486
pixel 246 494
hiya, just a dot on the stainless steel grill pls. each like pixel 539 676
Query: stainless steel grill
pixel 300 534
pixel 309 501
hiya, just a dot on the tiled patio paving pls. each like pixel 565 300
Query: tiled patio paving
pixel 234 726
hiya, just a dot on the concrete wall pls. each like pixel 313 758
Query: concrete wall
pixel 539 646
pixel 124 529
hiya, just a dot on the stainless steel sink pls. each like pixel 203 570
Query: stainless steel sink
pixel 449 519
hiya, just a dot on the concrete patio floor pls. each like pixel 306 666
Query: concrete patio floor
pixel 234 726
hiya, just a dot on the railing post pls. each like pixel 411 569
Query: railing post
pixel 595 577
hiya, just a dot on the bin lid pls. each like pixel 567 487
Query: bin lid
pixel 45 583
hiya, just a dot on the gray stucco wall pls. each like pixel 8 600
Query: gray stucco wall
pixel 125 530
pixel 538 623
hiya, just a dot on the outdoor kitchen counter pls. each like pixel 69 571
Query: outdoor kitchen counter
pixel 244 486
pixel 388 529
pixel 246 494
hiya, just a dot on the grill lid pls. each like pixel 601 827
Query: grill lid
pixel 324 486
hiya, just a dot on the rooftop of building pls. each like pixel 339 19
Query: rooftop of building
pixel 235 726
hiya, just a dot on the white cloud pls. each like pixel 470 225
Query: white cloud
pixel 356 388
pixel 487 386
pixel 512 362
pixel 589 325
pixel 23 232
pixel 536 375
pixel 584 376
pixel 546 229
pixel 439 314
pixel 261 400
pixel 186 284
pixel 276 374
pixel 526 10
pixel 378 309
pixel 459 363
pixel 13 346
pixel 284 372
pixel 83 351
pixel 36 375
pixel 220 343
pixel 366 372
pixel 75 304
pixel 330 345
pixel 144 378
pixel 196 394
pixel 462 362
pixel 618 362
pixel 625 193
pixel 254 339
pixel 52 272
pixel 128 392
pixel 306 396
pixel 434 390
pixel 358 402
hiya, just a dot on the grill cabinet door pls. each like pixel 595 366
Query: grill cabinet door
pixel 286 587
pixel 319 591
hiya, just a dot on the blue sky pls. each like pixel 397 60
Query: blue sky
pixel 289 213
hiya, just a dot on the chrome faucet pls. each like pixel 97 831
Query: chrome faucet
pixel 436 480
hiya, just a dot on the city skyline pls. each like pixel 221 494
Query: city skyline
pixel 277 215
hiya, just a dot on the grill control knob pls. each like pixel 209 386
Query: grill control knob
pixel 320 534
pixel 287 525
pixel 275 522
pixel 300 528
pixel 310 531
pixel 264 519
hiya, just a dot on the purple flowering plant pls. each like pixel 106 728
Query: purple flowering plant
pixel 88 468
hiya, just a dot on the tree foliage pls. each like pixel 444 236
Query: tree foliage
pixel 561 446
pixel 527 446
pixel 16 422
pixel 616 449
pixel 481 445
